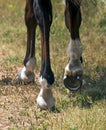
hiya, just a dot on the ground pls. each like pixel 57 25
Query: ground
pixel 18 108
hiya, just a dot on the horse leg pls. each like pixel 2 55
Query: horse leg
pixel 43 14
pixel 26 74
pixel 73 70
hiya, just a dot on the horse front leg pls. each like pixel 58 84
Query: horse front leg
pixel 43 14
pixel 27 73
pixel 73 70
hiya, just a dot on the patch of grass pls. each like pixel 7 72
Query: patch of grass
pixel 102 24
pixel 11 60
pixel 85 111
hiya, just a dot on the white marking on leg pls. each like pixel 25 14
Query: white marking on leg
pixel 75 52
pixel 67 71
pixel 30 66
pixel 22 74
pixel 75 49
pixel 43 82
pixel 67 67
pixel 45 98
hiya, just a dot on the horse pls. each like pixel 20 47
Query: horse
pixel 39 13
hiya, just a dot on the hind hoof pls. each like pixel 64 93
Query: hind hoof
pixel 72 83
pixel 26 78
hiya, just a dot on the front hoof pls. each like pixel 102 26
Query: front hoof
pixel 72 83
pixel 45 99
pixel 26 78
pixel 44 104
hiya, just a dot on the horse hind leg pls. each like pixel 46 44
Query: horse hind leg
pixel 26 75
pixel 73 70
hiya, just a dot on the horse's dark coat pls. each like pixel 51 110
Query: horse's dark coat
pixel 39 12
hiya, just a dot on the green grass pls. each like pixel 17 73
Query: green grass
pixel 85 111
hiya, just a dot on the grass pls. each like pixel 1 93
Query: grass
pixel 86 111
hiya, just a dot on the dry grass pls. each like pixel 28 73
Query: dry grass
pixel 18 110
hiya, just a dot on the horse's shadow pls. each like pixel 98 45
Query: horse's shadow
pixel 95 88
pixel 6 81
pixel 92 91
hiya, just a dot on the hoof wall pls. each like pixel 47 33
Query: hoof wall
pixel 72 83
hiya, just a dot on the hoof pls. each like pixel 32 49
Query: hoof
pixel 43 103
pixel 72 83
pixel 45 99
pixel 26 78
pixel 73 76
